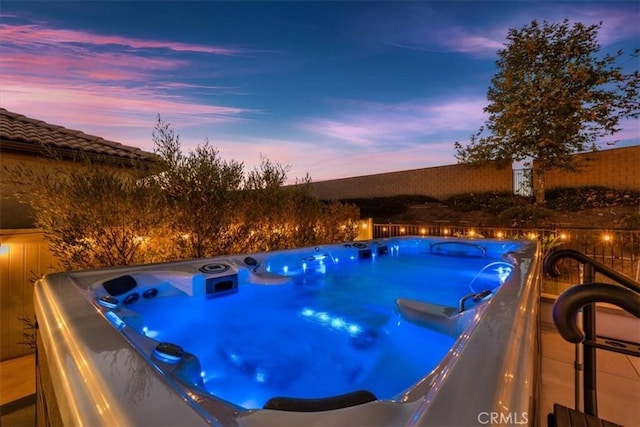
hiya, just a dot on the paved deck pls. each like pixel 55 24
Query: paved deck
pixel 618 383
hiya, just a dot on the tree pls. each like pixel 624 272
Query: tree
pixel 186 205
pixel 93 215
pixel 198 193
pixel 554 95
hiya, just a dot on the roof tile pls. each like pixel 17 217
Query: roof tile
pixel 20 129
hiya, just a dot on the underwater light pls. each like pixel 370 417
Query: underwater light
pixel 115 320
pixel 108 301
pixel 334 322
pixel 354 329
pixel 323 317
pixel 168 352
pixel 337 323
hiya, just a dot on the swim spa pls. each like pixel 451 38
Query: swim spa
pixel 399 331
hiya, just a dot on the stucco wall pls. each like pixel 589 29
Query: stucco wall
pixel 617 168
pixel 440 182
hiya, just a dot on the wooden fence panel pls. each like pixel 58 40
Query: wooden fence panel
pixel 24 256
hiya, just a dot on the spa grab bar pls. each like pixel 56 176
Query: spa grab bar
pixel 552 259
pixel 483 250
pixel 475 297
pixel 571 301
pixel 590 342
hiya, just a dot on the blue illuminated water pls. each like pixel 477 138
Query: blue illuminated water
pixel 333 331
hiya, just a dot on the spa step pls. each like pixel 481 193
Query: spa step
pixel 566 417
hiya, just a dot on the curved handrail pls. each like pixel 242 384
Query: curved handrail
pixel 569 303
pixel 551 260
pixel 483 250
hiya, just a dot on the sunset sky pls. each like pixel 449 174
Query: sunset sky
pixel 333 89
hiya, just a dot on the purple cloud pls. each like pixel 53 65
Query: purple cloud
pixel 371 124
pixel 36 35
pixel 102 89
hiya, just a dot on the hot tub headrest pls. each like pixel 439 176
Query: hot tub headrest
pixel 119 285
pixel 322 404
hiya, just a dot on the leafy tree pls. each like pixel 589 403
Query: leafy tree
pixel 554 95
pixel 93 215
pixel 198 193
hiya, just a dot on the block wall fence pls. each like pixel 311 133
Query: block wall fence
pixel 440 182
pixel 617 168
pixel 614 168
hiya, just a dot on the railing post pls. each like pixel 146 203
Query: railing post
pixel 589 327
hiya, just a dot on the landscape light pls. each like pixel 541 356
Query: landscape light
pixel 472 233
pixel 499 234
pixel 423 231
pixel 606 237
pixel 563 236
pixel 402 230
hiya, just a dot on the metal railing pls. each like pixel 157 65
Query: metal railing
pixel 617 249
pixel 625 293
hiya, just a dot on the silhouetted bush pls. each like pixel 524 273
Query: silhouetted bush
pixel 386 207
pixel 188 206
pixel 580 198
pixel 492 202
pixel 521 216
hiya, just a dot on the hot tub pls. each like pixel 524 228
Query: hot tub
pixel 394 331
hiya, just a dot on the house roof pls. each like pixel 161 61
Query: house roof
pixel 19 133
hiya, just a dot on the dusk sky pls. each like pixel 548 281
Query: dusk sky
pixel 333 89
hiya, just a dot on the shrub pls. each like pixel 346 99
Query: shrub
pixel 518 216
pixel 381 208
pixel 194 205
pixel 575 199
pixel 492 202
pixel 92 215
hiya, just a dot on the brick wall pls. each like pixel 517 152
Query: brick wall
pixel 439 182
pixel 616 168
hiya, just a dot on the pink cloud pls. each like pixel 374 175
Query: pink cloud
pixel 369 124
pixel 101 91
pixel 35 35
pixel 459 40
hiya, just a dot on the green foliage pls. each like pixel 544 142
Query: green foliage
pixel 576 199
pixel 554 95
pixel 188 206
pixel 468 235
pixel 633 221
pixel 381 208
pixel 92 215
pixel 548 242
pixel 492 202
pixel 521 216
